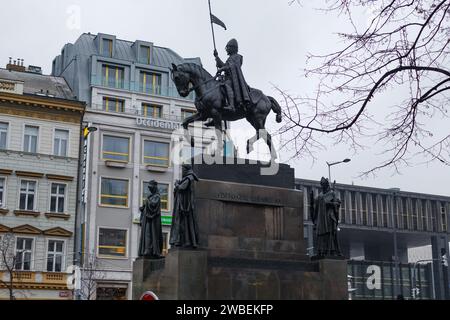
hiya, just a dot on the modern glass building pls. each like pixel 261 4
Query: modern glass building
pixel 378 227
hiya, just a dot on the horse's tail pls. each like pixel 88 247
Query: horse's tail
pixel 275 108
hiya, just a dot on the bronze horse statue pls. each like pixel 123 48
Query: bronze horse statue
pixel 210 100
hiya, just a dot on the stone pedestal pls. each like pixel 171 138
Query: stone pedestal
pixel 143 268
pixel 251 246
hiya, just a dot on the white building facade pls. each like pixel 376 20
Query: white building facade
pixel 132 103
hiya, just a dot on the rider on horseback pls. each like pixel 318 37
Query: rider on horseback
pixel 236 87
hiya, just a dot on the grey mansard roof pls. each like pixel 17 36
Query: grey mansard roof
pixel 74 62
pixel 39 84
pixel 162 57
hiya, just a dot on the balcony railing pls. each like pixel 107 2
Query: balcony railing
pixel 137 87
pixel 138 112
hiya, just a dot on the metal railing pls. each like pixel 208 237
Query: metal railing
pixel 136 111
pixel 165 91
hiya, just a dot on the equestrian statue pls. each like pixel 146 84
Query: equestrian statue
pixel 226 96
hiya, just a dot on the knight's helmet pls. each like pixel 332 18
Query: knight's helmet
pixel 233 44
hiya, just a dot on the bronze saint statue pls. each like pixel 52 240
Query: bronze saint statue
pixel 184 231
pixel 151 242
pixel 325 216
pixel 235 85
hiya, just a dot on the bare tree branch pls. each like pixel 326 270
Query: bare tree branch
pixel 404 45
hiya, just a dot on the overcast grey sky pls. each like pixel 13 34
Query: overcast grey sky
pixel 273 38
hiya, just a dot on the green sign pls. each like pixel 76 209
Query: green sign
pixel 166 220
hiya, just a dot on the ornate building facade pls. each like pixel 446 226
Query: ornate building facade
pixel 40 123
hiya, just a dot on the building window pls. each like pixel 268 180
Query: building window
pixel 57 197
pixel 3 135
pixel 156 153
pixel 163 189
pixel 30 139
pixel 113 105
pixel 2 192
pixel 434 214
pixel 114 192
pixel 60 143
pixel 55 254
pixel 150 82
pixel 113 76
pixel 353 209
pixel 374 211
pixel 144 54
pixel 343 204
pixel 105 292
pixel 404 203
pixel 186 113
pixel 116 148
pixel 151 110
pixel 424 214
pixel 395 212
pixel 364 208
pixel 112 242
pixel 27 195
pixel 107 47
pixel 414 215
pixel 443 217
pixel 24 252
pixel 384 210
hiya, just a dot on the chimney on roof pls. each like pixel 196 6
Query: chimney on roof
pixel 16 65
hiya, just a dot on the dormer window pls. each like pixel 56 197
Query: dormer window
pixel 144 54
pixel 107 48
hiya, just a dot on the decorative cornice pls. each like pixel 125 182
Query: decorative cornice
pixel 40 114
pixel 51 215
pixel 4 229
pixel 46 102
pixel 6 171
pixel 29 174
pixel 4 211
pixel 26 229
pixel 58 232
pixel 59 177
pixel 27 213
pixel 36 286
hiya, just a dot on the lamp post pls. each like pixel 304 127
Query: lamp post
pixel 83 197
pixel 334 163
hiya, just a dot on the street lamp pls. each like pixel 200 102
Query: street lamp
pixel 87 130
pixel 334 163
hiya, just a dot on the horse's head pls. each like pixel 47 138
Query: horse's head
pixel 182 80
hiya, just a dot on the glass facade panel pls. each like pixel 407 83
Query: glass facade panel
pixel 113 76
pixel 151 111
pixel 374 210
pixel 112 242
pixel 114 192
pixel 156 153
pixel 113 105
pixel 150 82
pixel 116 148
